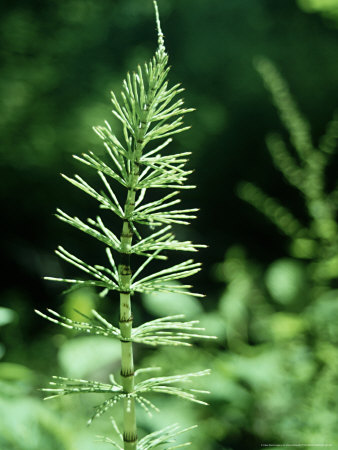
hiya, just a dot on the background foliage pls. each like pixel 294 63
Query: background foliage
pixel 274 367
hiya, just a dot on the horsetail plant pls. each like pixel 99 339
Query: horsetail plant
pixel 303 165
pixel 149 111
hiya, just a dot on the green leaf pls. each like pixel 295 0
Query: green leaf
pixel 6 316
pixel 285 280
pixel 166 304
pixel 80 356
pixel 15 372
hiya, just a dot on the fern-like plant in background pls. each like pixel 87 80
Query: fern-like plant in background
pixel 304 168
pixel 150 112
pixel 284 319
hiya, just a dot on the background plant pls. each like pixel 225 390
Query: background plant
pixel 291 317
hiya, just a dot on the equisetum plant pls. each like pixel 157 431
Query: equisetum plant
pixel 304 168
pixel 150 112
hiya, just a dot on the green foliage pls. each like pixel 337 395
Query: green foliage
pixel 276 381
pixel 283 353
pixel 326 7
pixel 26 423
pixel 291 369
pixel 6 316
pixel 149 110
pixel 285 280
pixel 59 59
pixel 304 168
pixel 30 423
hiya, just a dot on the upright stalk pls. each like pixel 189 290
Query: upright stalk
pixel 126 317
pixel 126 324
pixel 127 359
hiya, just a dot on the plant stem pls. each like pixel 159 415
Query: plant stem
pixel 126 323
pixel 126 318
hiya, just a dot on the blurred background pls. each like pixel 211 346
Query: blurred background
pixel 271 291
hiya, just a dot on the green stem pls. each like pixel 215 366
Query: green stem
pixel 126 323
pixel 126 318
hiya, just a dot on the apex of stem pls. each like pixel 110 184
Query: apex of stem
pixel 159 29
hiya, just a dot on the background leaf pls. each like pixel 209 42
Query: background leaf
pixel 82 356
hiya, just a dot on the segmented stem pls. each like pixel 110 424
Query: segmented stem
pixel 125 274
pixel 126 320
pixel 126 323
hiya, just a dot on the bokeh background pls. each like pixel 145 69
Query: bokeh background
pixel 272 302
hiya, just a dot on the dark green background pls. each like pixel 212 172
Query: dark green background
pixel 59 60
